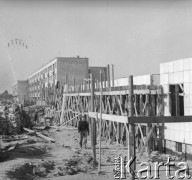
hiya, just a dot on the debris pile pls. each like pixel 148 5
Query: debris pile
pixel 31 171
pixel 74 166
pixel 34 170
pixel 155 156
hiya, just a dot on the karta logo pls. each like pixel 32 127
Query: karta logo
pixel 124 168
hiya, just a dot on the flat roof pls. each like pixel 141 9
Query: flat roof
pixel 56 58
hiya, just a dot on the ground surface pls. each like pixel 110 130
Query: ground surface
pixel 64 160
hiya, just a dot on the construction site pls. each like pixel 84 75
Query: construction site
pixel 146 118
pixel 95 90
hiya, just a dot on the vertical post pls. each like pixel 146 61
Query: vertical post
pixel 63 104
pixel 148 125
pixel 89 85
pixel 153 113
pixel 131 138
pixel 74 84
pixel 104 79
pixel 84 85
pixel 108 78
pixel 67 83
pixel 113 76
pixel 93 122
pixel 177 100
pixel 161 133
pixel 99 169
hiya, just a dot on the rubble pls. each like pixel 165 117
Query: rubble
pixel 14 138
pixel 31 171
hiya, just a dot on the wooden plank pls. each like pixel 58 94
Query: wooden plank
pixel 45 137
pixel 40 135
pixel 93 114
pixel 144 119
pixel 70 120
pixel 110 117
pixel 119 92
pixel 160 119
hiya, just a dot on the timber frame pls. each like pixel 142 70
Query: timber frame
pixel 130 115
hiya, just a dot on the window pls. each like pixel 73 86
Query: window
pixel 178 147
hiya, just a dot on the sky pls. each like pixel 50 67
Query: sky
pixel 136 36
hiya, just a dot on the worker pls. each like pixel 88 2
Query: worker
pixel 83 129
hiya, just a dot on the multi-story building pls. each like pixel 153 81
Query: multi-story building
pixel 21 91
pixel 57 70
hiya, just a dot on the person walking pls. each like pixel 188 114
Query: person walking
pixel 83 129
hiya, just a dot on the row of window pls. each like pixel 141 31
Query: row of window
pixel 51 79
pixel 51 69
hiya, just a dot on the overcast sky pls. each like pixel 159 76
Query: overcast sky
pixel 135 36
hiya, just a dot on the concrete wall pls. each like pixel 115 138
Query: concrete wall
pixel 73 67
pixel 171 73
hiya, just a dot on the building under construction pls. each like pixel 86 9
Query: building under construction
pixel 160 106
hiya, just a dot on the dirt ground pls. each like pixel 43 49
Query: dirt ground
pixel 64 160
pixel 43 160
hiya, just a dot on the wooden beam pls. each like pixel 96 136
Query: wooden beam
pixel 131 135
pixel 142 137
pixel 160 119
pixel 93 123
pixel 99 167
pixel 40 135
pixel 110 117
pixel 147 113
pixel 108 78
pixel 144 119
pixel 119 92
pixel 113 76
pixel 71 120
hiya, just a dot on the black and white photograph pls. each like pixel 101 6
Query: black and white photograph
pixel 95 89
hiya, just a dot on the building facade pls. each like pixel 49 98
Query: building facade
pixel 60 69
pixel 176 79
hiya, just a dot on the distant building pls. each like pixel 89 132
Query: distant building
pixel 56 71
pixel 96 72
pixel 21 91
